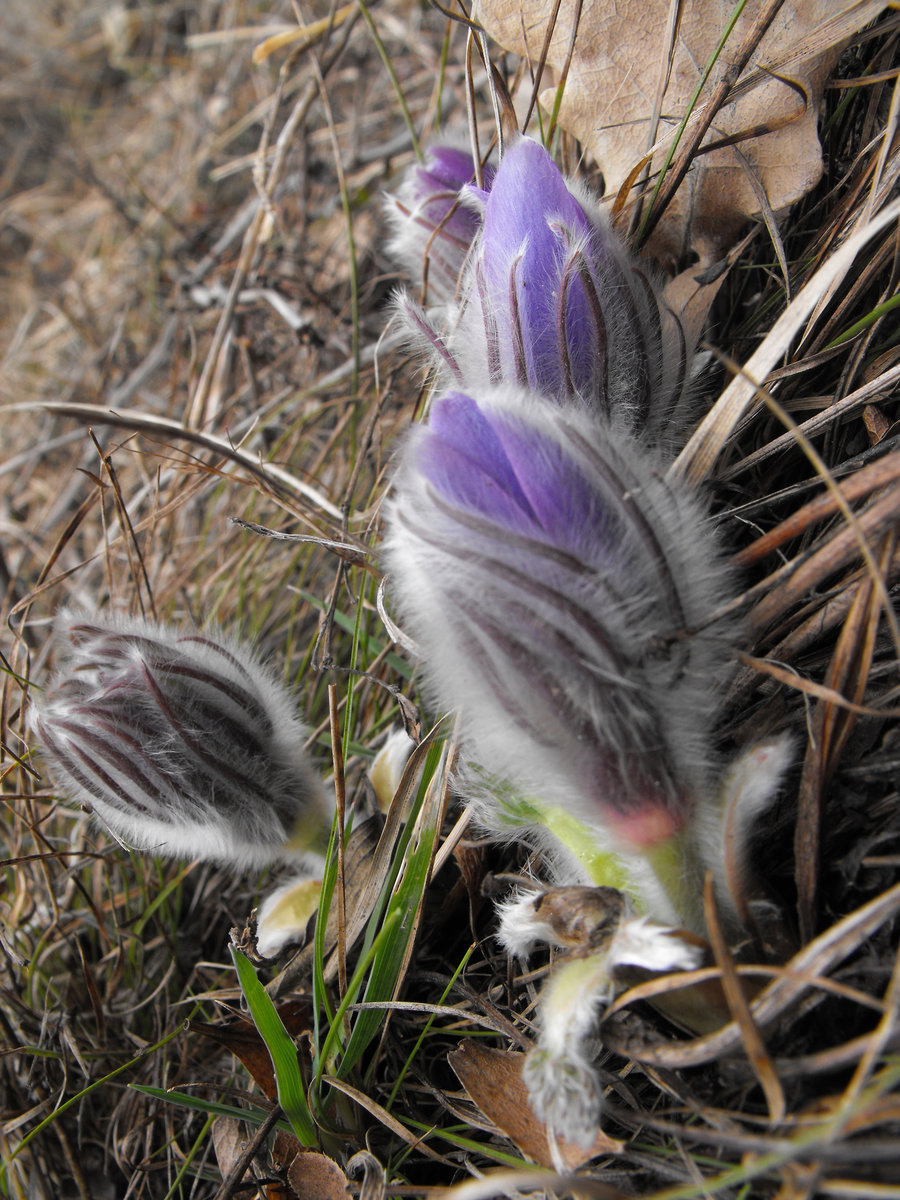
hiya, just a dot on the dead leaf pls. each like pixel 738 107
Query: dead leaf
pixel 244 1042
pixel 230 1141
pixel 315 1176
pixel 619 57
pixel 493 1079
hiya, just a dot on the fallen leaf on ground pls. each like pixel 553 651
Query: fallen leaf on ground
pixel 620 55
pixel 243 1040
pixel 493 1079
pixel 315 1176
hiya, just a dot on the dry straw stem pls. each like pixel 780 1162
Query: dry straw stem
pixel 697 460
pixel 501 1185
pixel 807 970
pixel 879 518
pixel 739 1007
pixel 270 475
pixel 861 483
pixel 830 728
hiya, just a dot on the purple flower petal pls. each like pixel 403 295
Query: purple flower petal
pixel 433 229
pixel 552 302
pixel 524 256
pixel 495 465
pixel 463 457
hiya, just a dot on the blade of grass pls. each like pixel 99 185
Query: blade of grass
pixel 215 1108
pixel 679 132
pixel 283 1052
pixel 92 1087
pixel 353 987
pixel 401 1075
pixel 389 67
pixel 188 1159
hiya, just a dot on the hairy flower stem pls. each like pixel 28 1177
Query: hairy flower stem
pixel 676 865
pixel 604 868
pixel 673 863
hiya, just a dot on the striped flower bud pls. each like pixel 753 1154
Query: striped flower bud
pixel 554 302
pixel 182 743
pixel 559 591
pixel 433 229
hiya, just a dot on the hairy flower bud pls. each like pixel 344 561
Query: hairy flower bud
pixel 181 742
pixel 549 300
pixel 557 305
pixel 559 590
pixel 433 229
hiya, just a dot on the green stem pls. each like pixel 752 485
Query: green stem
pixel 604 867
pixel 673 863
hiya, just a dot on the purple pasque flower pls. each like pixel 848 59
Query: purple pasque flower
pixel 181 742
pixel 559 590
pixel 433 228
pixel 554 303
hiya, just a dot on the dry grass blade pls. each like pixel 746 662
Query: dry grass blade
pixel 740 1010
pixel 702 120
pixel 500 1185
pixel 862 483
pixel 869 392
pixel 831 726
pixel 790 983
pixel 269 474
pixel 697 460
pixel 381 1114
pixel 878 519
pixel 809 688
pixel 303 37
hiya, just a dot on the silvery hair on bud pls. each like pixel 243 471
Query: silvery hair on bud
pixel 432 229
pixel 551 300
pixel 182 742
pixel 559 590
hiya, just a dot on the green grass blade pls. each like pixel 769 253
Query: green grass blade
pixel 695 96
pixel 328 1046
pixel 865 322
pixel 395 82
pixel 386 967
pixel 188 1159
pixel 283 1052
pixel 213 1108
pixel 57 1112
pixel 398 1082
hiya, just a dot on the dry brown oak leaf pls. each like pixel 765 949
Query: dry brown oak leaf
pixel 620 55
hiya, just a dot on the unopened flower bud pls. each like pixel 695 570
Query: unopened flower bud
pixel 182 743
pixel 549 300
pixel 560 592
pixel 433 229
pixel 284 915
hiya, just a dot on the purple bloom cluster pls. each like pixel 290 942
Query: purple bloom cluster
pixel 548 297
pixel 180 742
pixel 563 593
pixel 559 589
